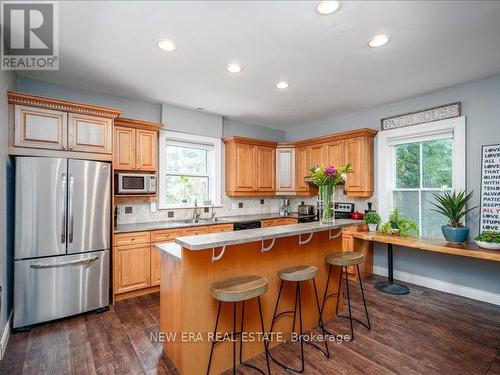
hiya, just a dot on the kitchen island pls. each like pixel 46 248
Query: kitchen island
pixel 191 264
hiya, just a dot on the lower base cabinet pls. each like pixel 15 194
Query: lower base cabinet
pixel 136 262
pixel 276 222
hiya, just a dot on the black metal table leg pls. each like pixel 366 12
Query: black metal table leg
pixel 389 286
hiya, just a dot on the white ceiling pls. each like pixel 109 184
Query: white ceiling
pixel 110 47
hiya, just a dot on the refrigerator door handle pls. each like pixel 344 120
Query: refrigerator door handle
pixel 71 263
pixel 63 208
pixel 70 209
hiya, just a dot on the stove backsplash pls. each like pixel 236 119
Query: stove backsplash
pixel 141 211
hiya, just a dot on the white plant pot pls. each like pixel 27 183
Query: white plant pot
pixel 372 227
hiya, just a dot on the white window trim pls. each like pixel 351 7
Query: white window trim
pixel 418 133
pixel 215 183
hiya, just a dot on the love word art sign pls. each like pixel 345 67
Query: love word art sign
pixel 421 117
pixel 490 189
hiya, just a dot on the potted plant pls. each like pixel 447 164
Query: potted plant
pixel 327 178
pixel 372 218
pixel 454 207
pixel 489 239
pixel 399 225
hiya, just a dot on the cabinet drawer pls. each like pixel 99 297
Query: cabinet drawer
pixel 196 231
pixel 268 223
pixel 165 235
pixel 125 239
pixel 221 228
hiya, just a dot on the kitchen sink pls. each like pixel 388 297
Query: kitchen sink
pixel 200 221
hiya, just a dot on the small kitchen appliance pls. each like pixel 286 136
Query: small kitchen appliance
pixel 135 183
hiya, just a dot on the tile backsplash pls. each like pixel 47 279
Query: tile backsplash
pixel 141 211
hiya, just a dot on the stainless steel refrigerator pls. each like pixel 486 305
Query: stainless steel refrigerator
pixel 62 238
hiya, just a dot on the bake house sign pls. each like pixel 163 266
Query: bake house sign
pixel 421 117
pixel 490 189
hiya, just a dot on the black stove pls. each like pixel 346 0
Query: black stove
pixel 343 210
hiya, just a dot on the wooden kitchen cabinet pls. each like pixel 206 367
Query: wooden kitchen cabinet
pixel 335 152
pixel 73 129
pixel 124 152
pixel 317 155
pixel 301 169
pixel 131 268
pixel 40 128
pixel 266 164
pixel 359 151
pixel 90 133
pixel 136 145
pixel 136 262
pixel 146 149
pixel 285 170
pixel 250 166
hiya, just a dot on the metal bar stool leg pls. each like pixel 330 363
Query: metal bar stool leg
pixel 363 295
pixel 325 295
pixel 275 310
pixel 327 353
pixel 241 340
pixel 338 291
pixel 214 341
pixel 265 339
pixel 349 304
pixel 301 333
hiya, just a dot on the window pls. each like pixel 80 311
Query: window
pixel 417 162
pixel 189 170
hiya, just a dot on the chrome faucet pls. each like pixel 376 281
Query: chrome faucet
pixel 196 212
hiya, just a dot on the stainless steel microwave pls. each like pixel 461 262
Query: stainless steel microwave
pixel 136 183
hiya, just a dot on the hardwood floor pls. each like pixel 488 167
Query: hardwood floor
pixel 426 332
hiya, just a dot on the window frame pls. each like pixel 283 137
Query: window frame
pixel 453 128
pixel 214 166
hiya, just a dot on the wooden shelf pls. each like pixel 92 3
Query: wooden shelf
pixel 467 249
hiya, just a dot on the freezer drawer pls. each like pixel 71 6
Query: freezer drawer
pixel 56 287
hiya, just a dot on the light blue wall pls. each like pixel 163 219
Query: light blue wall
pixel 233 127
pixel 481 106
pixel 190 121
pixel 130 108
pixel 7 82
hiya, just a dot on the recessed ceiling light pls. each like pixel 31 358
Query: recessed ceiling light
pixel 282 85
pixel 234 68
pixel 378 40
pixel 327 7
pixel 167 45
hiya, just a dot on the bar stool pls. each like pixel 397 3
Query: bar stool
pixel 298 274
pixel 344 260
pixel 234 290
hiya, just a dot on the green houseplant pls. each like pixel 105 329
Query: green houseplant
pixel 454 207
pixel 372 218
pixel 398 224
pixel 489 239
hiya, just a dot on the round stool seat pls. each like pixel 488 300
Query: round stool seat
pixel 345 258
pixel 240 288
pixel 298 273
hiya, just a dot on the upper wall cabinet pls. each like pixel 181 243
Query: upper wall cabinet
pixel 250 167
pixel 136 145
pixel 51 124
pixel 338 149
pixel 285 170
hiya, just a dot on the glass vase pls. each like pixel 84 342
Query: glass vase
pixel 325 206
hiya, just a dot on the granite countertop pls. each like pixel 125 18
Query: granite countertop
pixel 156 225
pixel 208 241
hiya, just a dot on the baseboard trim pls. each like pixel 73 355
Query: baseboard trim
pixel 5 336
pixel 443 286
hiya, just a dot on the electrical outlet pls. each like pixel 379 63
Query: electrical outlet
pixel 153 207
pixel 170 214
pixel 262 201
pixel 128 210
pixel 206 209
pixel 240 204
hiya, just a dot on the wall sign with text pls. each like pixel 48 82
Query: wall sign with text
pixel 490 189
pixel 421 117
